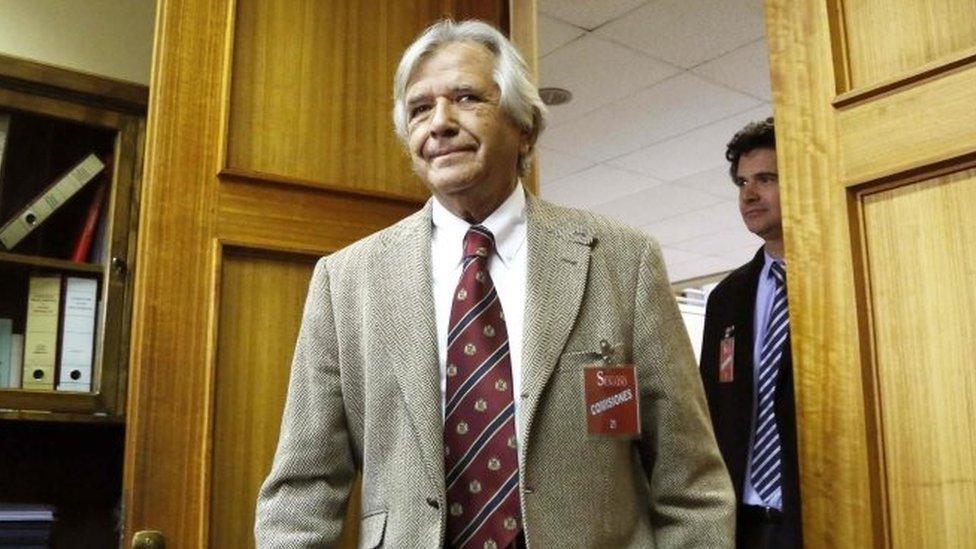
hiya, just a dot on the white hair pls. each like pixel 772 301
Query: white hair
pixel 519 96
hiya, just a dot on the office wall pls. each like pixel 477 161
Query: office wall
pixel 112 38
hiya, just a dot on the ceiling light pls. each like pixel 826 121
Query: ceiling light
pixel 555 96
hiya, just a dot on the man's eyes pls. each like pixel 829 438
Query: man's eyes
pixel 418 110
pixel 462 99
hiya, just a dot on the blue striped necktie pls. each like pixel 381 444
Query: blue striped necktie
pixel 767 459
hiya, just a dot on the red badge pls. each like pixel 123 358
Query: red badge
pixel 726 355
pixel 611 399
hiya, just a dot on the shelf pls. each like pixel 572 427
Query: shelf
pixel 54 406
pixel 33 261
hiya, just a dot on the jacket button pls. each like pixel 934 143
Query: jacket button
pixel 432 501
pixel 529 490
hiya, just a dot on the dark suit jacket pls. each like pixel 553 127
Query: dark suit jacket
pixel 732 303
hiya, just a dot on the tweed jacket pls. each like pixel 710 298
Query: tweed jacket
pixel 364 396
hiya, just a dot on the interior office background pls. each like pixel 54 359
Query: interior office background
pixel 119 45
pixel 682 100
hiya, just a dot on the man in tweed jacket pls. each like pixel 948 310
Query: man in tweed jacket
pixel 367 388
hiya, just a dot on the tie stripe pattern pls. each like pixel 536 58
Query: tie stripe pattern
pixel 766 473
pixel 481 457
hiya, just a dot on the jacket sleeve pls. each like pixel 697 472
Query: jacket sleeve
pixel 303 500
pixel 692 502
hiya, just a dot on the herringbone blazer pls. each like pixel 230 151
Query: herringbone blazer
pixel 364 395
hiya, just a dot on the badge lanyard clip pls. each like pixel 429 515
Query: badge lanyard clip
pixel 606 352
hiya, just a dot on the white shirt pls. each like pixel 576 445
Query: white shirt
pixel 507 267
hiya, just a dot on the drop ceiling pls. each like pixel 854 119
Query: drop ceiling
pixel 659 87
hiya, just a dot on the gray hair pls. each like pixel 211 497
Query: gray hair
pixel 519 96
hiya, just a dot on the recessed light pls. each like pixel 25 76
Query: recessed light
pixel 555 96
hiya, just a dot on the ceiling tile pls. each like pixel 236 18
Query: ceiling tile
pixel 588 14
pixel 688 32
pixel 654 204
pixel 664 110
pixel 597 72
pixel 554 165
pixel 737 238
pixel 714 181
pixel 691 152
pixel 714 219
pixel 745 69
pixel 554 33
pixel 596 185
pixel 696 268
pixel 673 256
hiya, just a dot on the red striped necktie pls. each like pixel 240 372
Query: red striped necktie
pixel 481 457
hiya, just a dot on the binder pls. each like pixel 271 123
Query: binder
pixel 41 333
pixel 16 359
pixel 50 200
pixel 77 334
pixel 6 328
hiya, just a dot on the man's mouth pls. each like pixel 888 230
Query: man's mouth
pixel 448 152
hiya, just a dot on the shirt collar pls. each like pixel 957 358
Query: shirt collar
pixel 768 261
pixel 506 223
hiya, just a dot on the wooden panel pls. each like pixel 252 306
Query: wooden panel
pixel 329 124
pixel 838 470
pixel 930 122
pixel 921 243
pixel 261 304
pixel 165 481
pixel 888 37
pixel 301 219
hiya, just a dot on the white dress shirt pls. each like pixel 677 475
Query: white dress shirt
pixel 507 267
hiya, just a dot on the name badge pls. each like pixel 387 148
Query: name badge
pixel 726 357
pixel 611 400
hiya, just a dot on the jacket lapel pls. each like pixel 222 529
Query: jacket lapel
pixel 558 264
pixel 410 334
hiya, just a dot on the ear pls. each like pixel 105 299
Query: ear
pixel 526 142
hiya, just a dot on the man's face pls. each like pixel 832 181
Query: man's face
pixel 463 145
pixel 758 183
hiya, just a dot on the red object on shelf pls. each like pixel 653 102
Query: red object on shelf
pixel 84 241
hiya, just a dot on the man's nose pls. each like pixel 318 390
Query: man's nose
pixel 747 192
pixel 443 121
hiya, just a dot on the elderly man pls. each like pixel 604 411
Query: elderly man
pixel 504 372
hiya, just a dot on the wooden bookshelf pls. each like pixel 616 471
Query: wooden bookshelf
pixel 62 265
pixel 64 448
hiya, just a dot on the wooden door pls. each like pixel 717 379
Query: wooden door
pixel 875 104
pixel 269 144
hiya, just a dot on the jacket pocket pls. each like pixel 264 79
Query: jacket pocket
pixel 371 530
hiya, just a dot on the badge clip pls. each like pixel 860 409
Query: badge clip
pixel 606 352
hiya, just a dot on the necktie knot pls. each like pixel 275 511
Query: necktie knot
pixel 478 242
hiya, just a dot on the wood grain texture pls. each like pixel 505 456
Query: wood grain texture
pixel 261 301
pixel 921 244
pixel 524 25
pixel 890 134
pixel 101 90
pixel 888 37
pixel 165 481
pixel 330 124
pixel 836 467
